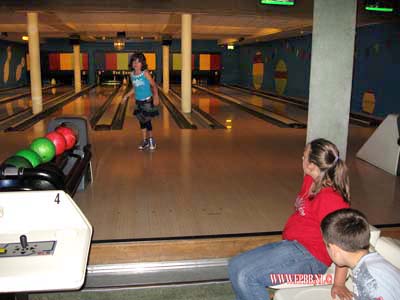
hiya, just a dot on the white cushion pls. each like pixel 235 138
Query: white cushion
pixel 375 234
pixel 305 293
pixel 390 250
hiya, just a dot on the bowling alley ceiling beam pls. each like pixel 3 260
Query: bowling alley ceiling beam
pixel 277 35
pixel 52 20
pixel 236 7
pixel 173 26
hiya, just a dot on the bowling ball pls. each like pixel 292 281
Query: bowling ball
pixel 31 156
pixel 44 148
pixel 69 135
pixel 18 162
pixel 58 140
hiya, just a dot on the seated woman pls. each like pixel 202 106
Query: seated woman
pixel 302 251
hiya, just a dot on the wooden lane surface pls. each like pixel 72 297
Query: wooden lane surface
pixel 190 249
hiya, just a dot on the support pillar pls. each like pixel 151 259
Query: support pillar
pixel 77 68
pixel 165 50
pixel 186 77
pixel 334 28
pixel 34 57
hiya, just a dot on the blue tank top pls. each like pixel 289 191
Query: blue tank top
pixel 142 87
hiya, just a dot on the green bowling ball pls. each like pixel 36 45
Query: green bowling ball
pixel 44 148
pixel 30 155
pixel 18 162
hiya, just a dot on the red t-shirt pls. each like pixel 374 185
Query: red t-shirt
pixel 304 224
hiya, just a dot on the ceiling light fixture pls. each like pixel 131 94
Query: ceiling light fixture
pixel 25 38
pixel 119 42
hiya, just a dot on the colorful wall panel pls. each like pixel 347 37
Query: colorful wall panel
pixel 84 61
pixel 65 61
pixel 111 61
pixel 177 61
pixel 215 62
pixel 209 62
pixel 120 61
pixel 54 61
pixel 205 60
pixel 151 61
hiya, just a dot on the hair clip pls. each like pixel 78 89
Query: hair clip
pixel 336 160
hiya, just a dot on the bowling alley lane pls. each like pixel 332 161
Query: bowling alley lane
pixel 87 104
pixel 17 105
pixel 12 92
pixel 274 106
pixel 227 114
pixel 17 91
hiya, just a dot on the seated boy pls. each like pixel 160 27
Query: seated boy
pixel 346 235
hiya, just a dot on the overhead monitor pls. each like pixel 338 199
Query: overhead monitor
pixel 277 2
pixel 380 5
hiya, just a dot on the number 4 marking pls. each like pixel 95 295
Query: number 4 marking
pixel 57 199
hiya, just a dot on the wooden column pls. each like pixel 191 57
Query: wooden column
pixel 34 57
pixel 186 77
pixel 77 68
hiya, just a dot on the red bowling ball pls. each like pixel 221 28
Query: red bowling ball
pixel 58 141
pixel 69 135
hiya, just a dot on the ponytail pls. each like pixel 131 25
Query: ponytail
pixel 341 180
pixel 333 170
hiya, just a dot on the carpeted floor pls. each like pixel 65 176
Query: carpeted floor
pixel 211 291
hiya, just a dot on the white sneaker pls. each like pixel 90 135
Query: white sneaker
pixel 152 144
pixel 145 144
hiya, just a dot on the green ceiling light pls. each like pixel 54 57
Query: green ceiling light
pixel 383 9
pixel 277 2
pixel 379 5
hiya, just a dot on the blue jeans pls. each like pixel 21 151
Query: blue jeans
pixel 250 271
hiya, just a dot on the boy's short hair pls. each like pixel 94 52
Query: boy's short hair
pixel 347 228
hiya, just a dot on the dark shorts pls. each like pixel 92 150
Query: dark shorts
pixel 145 110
